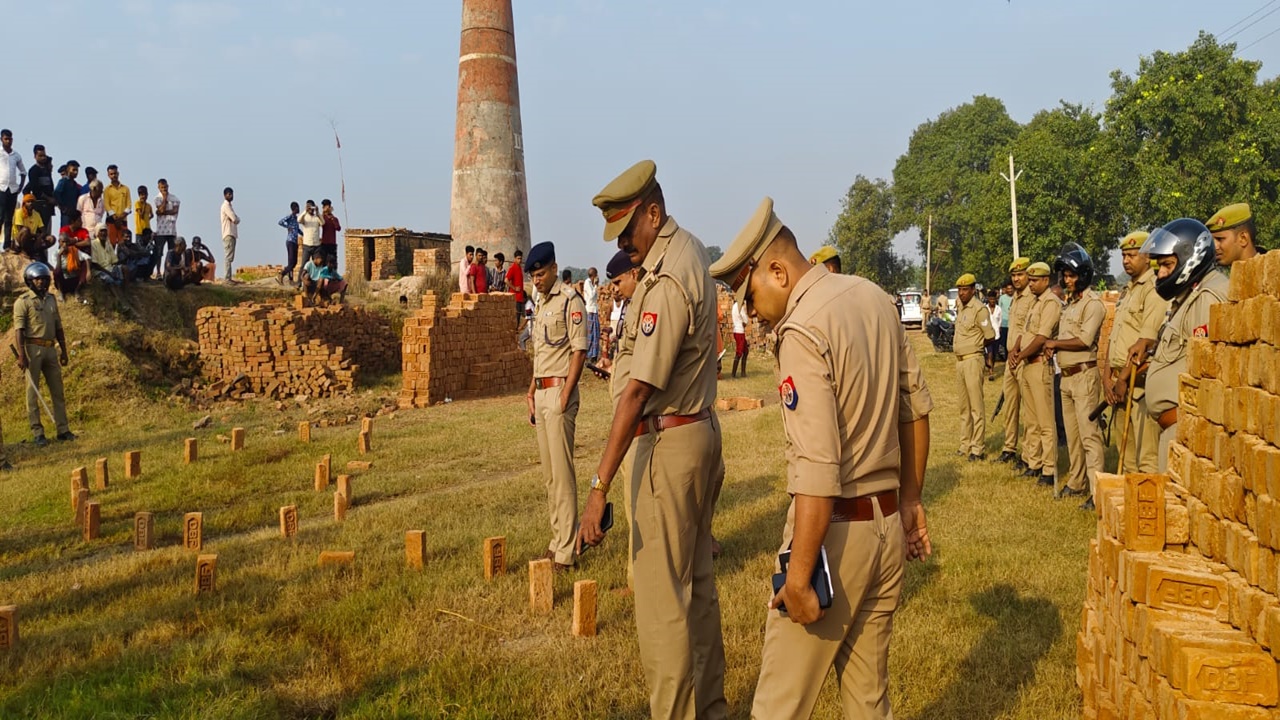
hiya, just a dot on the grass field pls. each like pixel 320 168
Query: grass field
pixel 985 630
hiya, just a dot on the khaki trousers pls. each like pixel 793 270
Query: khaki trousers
pixel 973 426
pixel 1080 395
pixel 555 448
pixel 674 481
pixel 1140 452
pixel 624 471
pixel 866 560
pixel 43 362
pixel 1167 436
pixel 1012 406
pixel 1040 451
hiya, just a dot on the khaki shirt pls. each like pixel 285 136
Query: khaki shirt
pixel 1018 309
pixel 1188 318
pixel 849 376
pixel 973 327
pixel 1042 319
pixel 1139 314
pixel 672 327
pixel 1081 319
pixel 560 330
pixel 35 317
pixel 620 370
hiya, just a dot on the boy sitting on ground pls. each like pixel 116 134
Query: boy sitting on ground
pixel 331 283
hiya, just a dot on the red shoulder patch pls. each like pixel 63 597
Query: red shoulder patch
pixel 787 391
pixel 1202 331
pixel 648 323
pixel 576 317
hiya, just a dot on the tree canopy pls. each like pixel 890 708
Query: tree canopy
pixel 1190 132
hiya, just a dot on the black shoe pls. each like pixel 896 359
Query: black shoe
pixel 40 441
pixel 1020 464
pixel 1087 505
pixel 1065 491
pixel 1006 456
pixel 5 466
pixel 1031 473
pixel 975 458
pixel 1046 480
pixel 67 436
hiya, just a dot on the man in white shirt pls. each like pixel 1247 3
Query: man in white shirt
pixel 230 230
pixel 166 231
pixel 993 346
pixel 740 320
pixel 590 297
pixel 92 211
pixel 309 224
pixel 13 176
pixel 463 266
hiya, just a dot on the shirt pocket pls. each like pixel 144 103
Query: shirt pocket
pixel 556 332
pixel 1173 344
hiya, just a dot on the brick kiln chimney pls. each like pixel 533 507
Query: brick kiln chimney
pixel 489 206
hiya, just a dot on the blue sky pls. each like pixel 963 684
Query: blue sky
pixel 733 100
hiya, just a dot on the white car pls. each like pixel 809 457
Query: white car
pixel 909 309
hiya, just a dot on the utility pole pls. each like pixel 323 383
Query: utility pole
pixel 1012 179
pixel 928 262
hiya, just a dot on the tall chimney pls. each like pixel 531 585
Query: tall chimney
pixel 489 206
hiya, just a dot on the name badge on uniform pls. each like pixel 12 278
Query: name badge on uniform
pixel 787 390
pixel 648 323
pixel 576 317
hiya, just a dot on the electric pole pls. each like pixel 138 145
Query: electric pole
pixel 928 261
pixel 1012 179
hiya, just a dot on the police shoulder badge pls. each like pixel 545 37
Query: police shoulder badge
pixel 790 398
pixel 1201 331
pixel 648 322
pixel 576 317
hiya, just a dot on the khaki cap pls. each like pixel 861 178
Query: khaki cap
pixel 1019 265
pixel 1229 217
pixel 1038 270
pixel 619 199
pixel 966 280
pixel 825 253
pixel 735 265
pixel 1134 240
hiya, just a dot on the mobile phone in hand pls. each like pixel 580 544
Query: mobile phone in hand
pixel 606 522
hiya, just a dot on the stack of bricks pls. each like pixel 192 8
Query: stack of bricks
pixel 466 349
pixel 279 351
pixel 431 262
pixel 757 339
pixel 1182 618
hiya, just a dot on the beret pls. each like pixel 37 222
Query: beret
pixel 1134 240
pixel 1020 264
pixel 1229 217
pixel 1038 270
pixel 540 256
pixel 966 280
pixel 618 264
pixel 825 253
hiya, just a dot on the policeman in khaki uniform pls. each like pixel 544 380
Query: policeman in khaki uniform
pixel 1139 313
pixel 1235 236
pixel 828 257
pixel 559 352
pixel 1076 350
pixel 972 332
pixel 1018 310
pixel 38 326
pixel 855 412
pixel 1040 447
pixel 1188 277
pixel 666 408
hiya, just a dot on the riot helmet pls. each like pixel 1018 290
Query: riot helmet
pixel 1191 242
pixel 1076 259
pixel 37 270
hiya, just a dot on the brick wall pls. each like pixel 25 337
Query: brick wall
pixel 1182 618
pixel 283 351
pixel 465 349
pixel 431 262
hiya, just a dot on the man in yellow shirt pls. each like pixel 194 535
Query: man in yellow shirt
pixel 117 202
pixel 142 214
pixel 29 234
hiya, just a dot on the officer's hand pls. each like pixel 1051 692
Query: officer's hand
pixel 1138 352
pixel 564 399
pixel 802 604
pixel 589 532
pixel 62 359
pixel 22 361
pixel 532 413
pixel 916 531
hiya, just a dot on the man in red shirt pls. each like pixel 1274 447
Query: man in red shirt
pixel 329 229
pixel 477 275
pixel 515 283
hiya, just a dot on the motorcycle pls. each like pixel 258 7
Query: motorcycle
pixel 941 333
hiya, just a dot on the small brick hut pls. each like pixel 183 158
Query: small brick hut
pixel 386 253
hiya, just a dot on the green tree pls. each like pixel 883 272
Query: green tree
pixel 714 252
pixel 946 173
pixel 861 233
pixel 1194 131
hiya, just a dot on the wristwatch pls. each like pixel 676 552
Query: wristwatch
pixel 598 484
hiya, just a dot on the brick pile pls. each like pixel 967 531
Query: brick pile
pixel 1182 618
pixel 431 262
pixel 272 350
pixel 465 349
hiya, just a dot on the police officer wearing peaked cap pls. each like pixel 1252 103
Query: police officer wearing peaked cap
pixel 1011 388
pixel 1040 443
pixel 559 352
pixel 973 331
pixel 1235 234
pixel 855 413
pixel 666 410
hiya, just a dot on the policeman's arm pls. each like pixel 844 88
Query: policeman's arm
pixel 62 343
pixel 626 416
pixel 913 438
pixel 578 341
pixel 812 518
pixel 576 362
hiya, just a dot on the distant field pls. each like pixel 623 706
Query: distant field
pixel 986 628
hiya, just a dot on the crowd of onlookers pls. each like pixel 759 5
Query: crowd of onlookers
pixel 314 232
pixel 93 240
